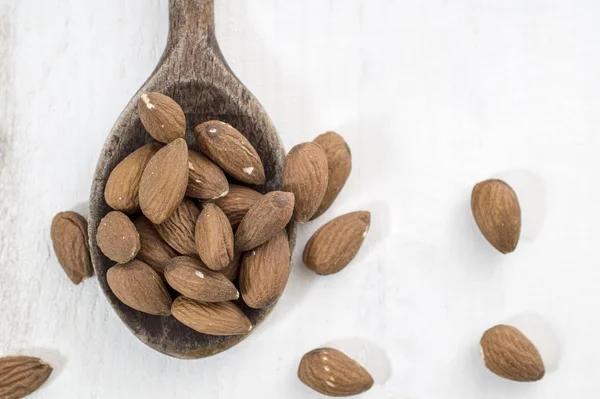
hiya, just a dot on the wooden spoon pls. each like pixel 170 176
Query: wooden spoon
pixel 194 73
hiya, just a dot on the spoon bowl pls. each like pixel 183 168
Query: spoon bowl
pixel 194 73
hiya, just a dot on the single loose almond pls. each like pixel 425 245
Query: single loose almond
pixel 162 117
pixel 305 174
pixel 21 375
pixel 333 373
pixel 154 251
pixel 118 238
pixel 214 237
pixel 138 286
pixel 193 279
pixel 270 214
pixel 237 202
pixel 123 184
pixel 336 243
pixel 179 229
pixel 339 165
pixel 223 318
pixel 164 182
pixel 265 271
pixel 70 241
pixel 231 151
pixel 498 215
pixel 510 354
pixel 206 180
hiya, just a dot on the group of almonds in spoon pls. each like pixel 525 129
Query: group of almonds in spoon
pixel 199 234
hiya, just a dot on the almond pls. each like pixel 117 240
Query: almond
pixel 332 373
pixel 509 354
pixel 232 270
pixel 336 243
pixel 138 286
pixel 21 375
pixel 123 184
pixel 164 182
pixel 214 237
pixel 178 230
pixel 498 215
pixel 162 117
pixel 154 251
pixel 70 241
pixel 117 237
pixel 270 214
pixel 265 271
pixel 339 164
pixel 193 279
pixel 305 174
pixel 223 318
pixel 231 151
pixel 237 202
pixel 206 180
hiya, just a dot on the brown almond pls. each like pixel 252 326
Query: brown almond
pixel 265 271
pixel 339 165
pixel 164 182
pixel 335 244
pixel 162 117
pixel 230 150
pixel 138 286
pixel 270 214
pixel 223 318
pixel 123 184
pixel 117 237
pixel 232 270
pixel 305 174
pixel 510 354
pixel 21 375
pixel 214 237
pixel 497 213
pixel 206 180
pixel 237 202
pixel 193 279
pixel 332 373
pixel 178 230
pixel 154 251
pixel 69 233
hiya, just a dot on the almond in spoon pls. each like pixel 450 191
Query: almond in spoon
pixel 223 318
pixel 206 180
pixel 162 117
pixel 214 237
pixel 117 237
pixel 179 229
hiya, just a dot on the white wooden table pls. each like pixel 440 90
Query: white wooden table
pixel 432 97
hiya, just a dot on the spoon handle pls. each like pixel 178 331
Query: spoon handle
pixel 192 22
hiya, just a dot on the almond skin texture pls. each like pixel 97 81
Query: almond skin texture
pixel 206 180
pixel 305 174
pixel 154 251
pixel 231 151
pixel 162 117
pixel 332 373
pixel 235 205
pixel 336 243
pixel 193 279
pixel 270 214
pixel 21 375
pixel 223 318
pixel 509 354
pixel 232 270
pixel 70 241
pixel 497 213
pixel 339 164
pixel 178 230
pixel 164 182
pixel 123 185
pixel 138 286
pixel 118 238
pixel 265 271
pixel 214 238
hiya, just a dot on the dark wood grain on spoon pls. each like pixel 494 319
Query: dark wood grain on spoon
pixel 194 73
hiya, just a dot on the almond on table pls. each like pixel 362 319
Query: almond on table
pixel 22 375
pixel 69 233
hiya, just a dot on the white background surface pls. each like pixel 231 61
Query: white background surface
pixel 432 97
